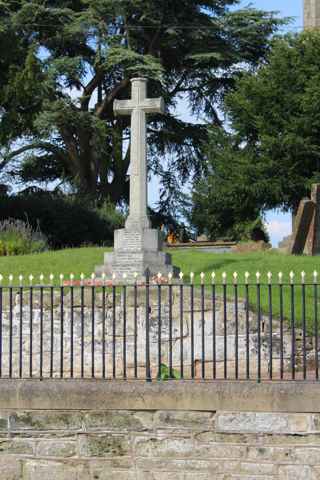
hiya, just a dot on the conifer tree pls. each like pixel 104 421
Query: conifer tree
pixel 64 62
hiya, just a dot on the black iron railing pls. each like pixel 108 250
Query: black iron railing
pixel 160 330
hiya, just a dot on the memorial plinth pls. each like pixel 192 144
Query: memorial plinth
pixel 138 247
pixel 136 252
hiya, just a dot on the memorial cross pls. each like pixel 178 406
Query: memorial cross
pixel 138 107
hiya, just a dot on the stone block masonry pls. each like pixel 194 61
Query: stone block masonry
pixel 311 14
pixel 89 439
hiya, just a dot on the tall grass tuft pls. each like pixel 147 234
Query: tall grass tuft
pixel 18 237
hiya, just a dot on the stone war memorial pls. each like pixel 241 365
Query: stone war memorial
pixel 138 247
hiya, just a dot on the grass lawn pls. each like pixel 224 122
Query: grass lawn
pixel 265 262
pixel 76 261
pixel 83 260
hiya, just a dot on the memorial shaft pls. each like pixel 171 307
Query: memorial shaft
pixel 138 107
pixel 138 174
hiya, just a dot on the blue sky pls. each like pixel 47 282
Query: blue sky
pixel 278 224
pixel 286 8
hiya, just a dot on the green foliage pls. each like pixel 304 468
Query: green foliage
pixel 272 155
pixel 64 63
pixel 164 373
pixel 110 215
pixel 133 63
pixel 275 119
pixel 64 221
pixel 19 238
pixel 224 202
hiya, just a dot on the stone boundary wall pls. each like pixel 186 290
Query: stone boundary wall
pixel 82 430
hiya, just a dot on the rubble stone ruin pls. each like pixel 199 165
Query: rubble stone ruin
pixel 305 238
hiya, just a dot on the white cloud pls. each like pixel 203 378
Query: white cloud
pixel 278 229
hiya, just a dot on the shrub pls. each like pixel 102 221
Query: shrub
pixel 66 222
pixel 110 215
pixel 19 238
pixel 164 373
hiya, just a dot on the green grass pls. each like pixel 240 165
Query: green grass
pixel 75 260
pixel 83 260
pixel 264 262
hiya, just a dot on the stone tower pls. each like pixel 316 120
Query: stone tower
pixel 311 13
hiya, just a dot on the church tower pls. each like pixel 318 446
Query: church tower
pixel 311 13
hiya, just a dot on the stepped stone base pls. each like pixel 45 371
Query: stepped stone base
pixel 136 251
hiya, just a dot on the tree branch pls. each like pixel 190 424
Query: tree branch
pixel 101 109
pixel 26 148
pixel 89 89
pixel 71 147
pixel 216 117
pixel 154 40
pixel 177 89
pixel 33 146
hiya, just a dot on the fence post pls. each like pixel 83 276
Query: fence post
pixel 148 369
